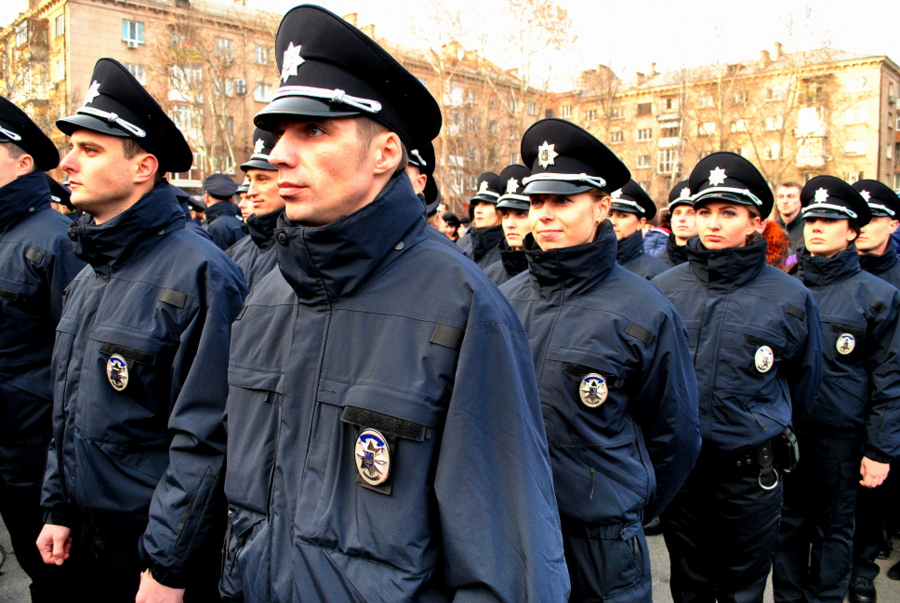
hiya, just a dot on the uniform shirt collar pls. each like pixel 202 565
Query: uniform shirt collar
pixel 261 228
pixel 879 264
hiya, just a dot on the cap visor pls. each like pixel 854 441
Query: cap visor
pixel 719 197
pixel 678 202
pixel 259 164
pixel 485 199
pixel 513 204
pixel 628 209
pixel 555 187
pixel 825 213
pixel 295 107
pixel 70 124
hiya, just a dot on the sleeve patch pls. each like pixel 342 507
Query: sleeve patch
pixel 878 306
pixel 639 333
pixel 447 336
pixel 173 298
pixel 34 255
pixel 795 311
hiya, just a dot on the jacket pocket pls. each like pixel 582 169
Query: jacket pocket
pixel 254 402
pixel 243 527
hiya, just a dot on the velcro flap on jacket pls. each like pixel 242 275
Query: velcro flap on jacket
pixel 34 255
pixel 173 298
pixel 7 294
pixel 126 352
pixel 639 333
pixel 447 336
pixel 383 423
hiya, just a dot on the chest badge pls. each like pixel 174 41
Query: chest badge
pixel 764 359
pixel 846 343
pixel 593 390
pixel 373 457
pixel 117 372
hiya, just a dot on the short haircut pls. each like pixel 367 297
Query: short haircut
pixel 366 130
pixel 130 148
pixel 15 151
pixel 790 184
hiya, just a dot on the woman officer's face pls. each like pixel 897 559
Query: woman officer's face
pixel 723 225
pixel 566 220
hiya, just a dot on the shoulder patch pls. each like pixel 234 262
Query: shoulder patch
pixel 795 311
pixel 878 306
pixel 173 298
pixel 447 336
pixel 34 255
pixel 639 333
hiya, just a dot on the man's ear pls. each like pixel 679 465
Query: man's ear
pixel 388 151
pixel 145 167
pixel 24 165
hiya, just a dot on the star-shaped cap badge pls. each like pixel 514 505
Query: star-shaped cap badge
pixel 546 154
pixel 865 195
pixel 716 177
pixel 685 193
pixel 617 194
pixel 821 195
pixel 511 185
pixel 258 147
pixel 483 188
pixel 292 60
pixel 92 93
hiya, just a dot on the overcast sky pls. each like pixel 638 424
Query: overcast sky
pixel 628 35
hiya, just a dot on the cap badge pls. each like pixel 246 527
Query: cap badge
pixel 846 343
pixel 483 187
pixel 373 457
pixel 685 193
pixel 511 185
pixel 546 154
pixel 717 177
pixel 117 372
pixel 593 390
pixel 821 195
pixel 258 147
pixel 764 359
pixel 92 93
pixel 866 195
pixel 292 60
pixel 617 194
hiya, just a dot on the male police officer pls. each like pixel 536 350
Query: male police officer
pixel 631 208
pixel 221 213
pixel 135 466
pixel 385 441
pixel 684 226
pixel 255 254
pixel 36 265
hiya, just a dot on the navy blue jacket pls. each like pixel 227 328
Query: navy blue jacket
pixel 734 304
pixel 885 266
pixel 481 245
pixel 149 457
pixel 36 264
pixel 672 254
pixel 512 262
pixel 190 223
pixel 860 393
pixel 223 225
pixel 352 332
pixel 654 240
pixel 255 254
pixel 631 257
pixel 584 314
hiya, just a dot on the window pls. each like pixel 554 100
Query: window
pixel 776 93
pixel 183 117
pixel 815 91
pixel 897 180
pixel 60 71
pixel 223 47
pixel 567 111
pixel 890 121
pixel 590 115
pixel 513 105
pixel 643 162
pixel 855 147
pixel 774 123
pixel 21 33
pixel 225 87
pixel 137 71
pixel 225 165
pixel 59 25
pixel 617 136
pixel 670 103
pixel 856 116
pixel 644 134
pixel 513 158
pixel 453 97
pixel 532 108
pixel 262 93
pixel 772 151
pixel 743 152
pixel 809 122
pixel 195 173
pixel 706 101
pixel 261 55
pixel 740 97
pixel 133 32
pixel 855 84
pixel 668 161
pixel 707 128
pixel 739 125
pixel 889 152
pixel 670 130
pixel 180 40
pixel 228 125
pixel 898 121
pixel 644 108
pixel 615 113
pixel 472 183
pixel 851 177
pixel 810 149
pixel 185 78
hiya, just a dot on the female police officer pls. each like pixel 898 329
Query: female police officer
pixel 756 343
pixel 617 389
pixel 513 208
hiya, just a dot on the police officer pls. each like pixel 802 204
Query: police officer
pixel 513 207
pixel 852 429
pixel 420 170
pixel 385 440
pixel 255 254
pixel 480 242
pixel 878 256
pixel 132 488
pixel 221 214
pixel 615 378
pixel 244 206
pixel 36 265
pixel 756 343
pixel 684 227
pixel 631 208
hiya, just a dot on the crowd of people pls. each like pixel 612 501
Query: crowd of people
pixel 315 386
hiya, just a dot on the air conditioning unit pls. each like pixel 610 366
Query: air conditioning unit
pixel 892 100
pixel 240 86
pixel 133 43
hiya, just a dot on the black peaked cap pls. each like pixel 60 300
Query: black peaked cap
pixel 488 188
pixel 59 193
pixel 331 69
pixel 220 186
pixel 566 159
pixel 680 195
pixel 511 186
pixel 725 176
pixel 422 156
pixel 16 127
pixel 117 105
pixel 263 143
pixel 830 197
pixel 883 202
pixel 633 199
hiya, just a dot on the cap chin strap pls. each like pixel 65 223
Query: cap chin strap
pixel 10 134
pixel 259 157
pixel 487 194
pixel 113 119
pixel 727 189
pixel 419 162
pixel 890 212
pixel 838 208
pixel 332 96
pixel 621 201
pixel 595 181
pixel 515 197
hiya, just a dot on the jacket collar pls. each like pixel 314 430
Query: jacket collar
pixel 514 260
pixel 630 247
pixel 485 239
pixel 261 228
pixel 677 253
pixel 571 271
pixel 111 245
pixel 21 198
pixel 819 271
pixel 726 268
pixel 222 208
pixel 879 264
pixel 330 262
